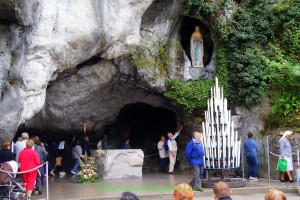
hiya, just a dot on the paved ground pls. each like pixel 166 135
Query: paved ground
pixel 152 187
pixel 290 196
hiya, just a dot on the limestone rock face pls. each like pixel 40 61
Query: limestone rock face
pixel 119 164
pixel 98 91
pixel 89 94
pixel 162 22
pixel 249 119
pixel 47 37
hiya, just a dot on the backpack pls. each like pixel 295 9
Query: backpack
pixel 166 147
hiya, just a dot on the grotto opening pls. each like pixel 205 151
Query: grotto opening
pixel 142 123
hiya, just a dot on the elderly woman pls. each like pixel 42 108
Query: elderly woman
pixel 286 153
pixel 28 160
pixel 5 154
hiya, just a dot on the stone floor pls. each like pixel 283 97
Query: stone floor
pixel 151 186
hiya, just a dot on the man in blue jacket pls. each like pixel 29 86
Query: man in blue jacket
pixel 251 150
pixel 194 153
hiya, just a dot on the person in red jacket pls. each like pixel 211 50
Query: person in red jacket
pixel 29 159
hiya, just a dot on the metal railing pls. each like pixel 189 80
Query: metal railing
pixel 31 170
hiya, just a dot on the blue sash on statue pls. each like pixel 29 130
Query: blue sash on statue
pixel 196 50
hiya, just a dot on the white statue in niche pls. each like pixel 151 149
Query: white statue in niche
pixel 196 47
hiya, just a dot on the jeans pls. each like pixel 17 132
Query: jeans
pixel 163 164
pixel 76 165
pixel 198 171
pixel 252 162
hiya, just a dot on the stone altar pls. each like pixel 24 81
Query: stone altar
pixel 119 163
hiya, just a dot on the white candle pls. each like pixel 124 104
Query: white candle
pixel 298 158
pixel 208 107
pixel 222 93
pixel 211 152
pixel 232 132
pixel 219 150
pixel 212 112
pixel 217 84
pixel 217 122
pixel 214 99
pixel 239 154
pixel 225 109
pixel 235 147
pixel 12 146
pixel 222 111
pixel 223 145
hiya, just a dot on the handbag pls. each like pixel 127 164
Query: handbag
pixel 282 165
pixel 58 161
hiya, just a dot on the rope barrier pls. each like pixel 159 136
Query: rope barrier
pixel 151 155
pixel 274 154
pixel 24 172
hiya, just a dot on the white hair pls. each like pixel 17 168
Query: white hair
pixel 25 135
pixel 196 133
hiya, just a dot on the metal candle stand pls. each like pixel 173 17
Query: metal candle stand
pixel 221 144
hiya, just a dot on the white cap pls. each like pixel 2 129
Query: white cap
pixel 285 133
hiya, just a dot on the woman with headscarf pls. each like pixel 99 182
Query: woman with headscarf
pixel 286 153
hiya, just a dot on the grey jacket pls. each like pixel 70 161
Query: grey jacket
pixel 77 151
pixel 285 147
pixel 42 157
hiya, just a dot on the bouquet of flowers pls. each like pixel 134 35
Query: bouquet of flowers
pixel 88 173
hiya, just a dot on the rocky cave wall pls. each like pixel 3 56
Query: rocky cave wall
pixel 63 62
pixel 46 41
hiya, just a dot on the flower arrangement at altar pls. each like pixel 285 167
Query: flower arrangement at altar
pixel 87 173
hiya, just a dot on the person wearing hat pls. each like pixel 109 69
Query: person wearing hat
pixel 286 153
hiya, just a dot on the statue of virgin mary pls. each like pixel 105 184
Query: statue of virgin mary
pixel 196 47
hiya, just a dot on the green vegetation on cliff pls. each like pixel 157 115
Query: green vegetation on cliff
pixel 260 51
pixel 258 54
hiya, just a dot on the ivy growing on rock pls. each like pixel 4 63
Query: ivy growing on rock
pixel 254 25
pixel 153 56
pixel 191 95
pixel 258 54
pixel 259 49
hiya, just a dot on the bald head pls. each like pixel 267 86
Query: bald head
pixel 197 136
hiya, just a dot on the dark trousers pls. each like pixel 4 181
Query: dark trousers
pixel 51 164
pixel 252 162
pixel 163 164
pixel 38 183
pixel 64 160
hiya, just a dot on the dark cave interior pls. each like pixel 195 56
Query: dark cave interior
pixel 143 124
